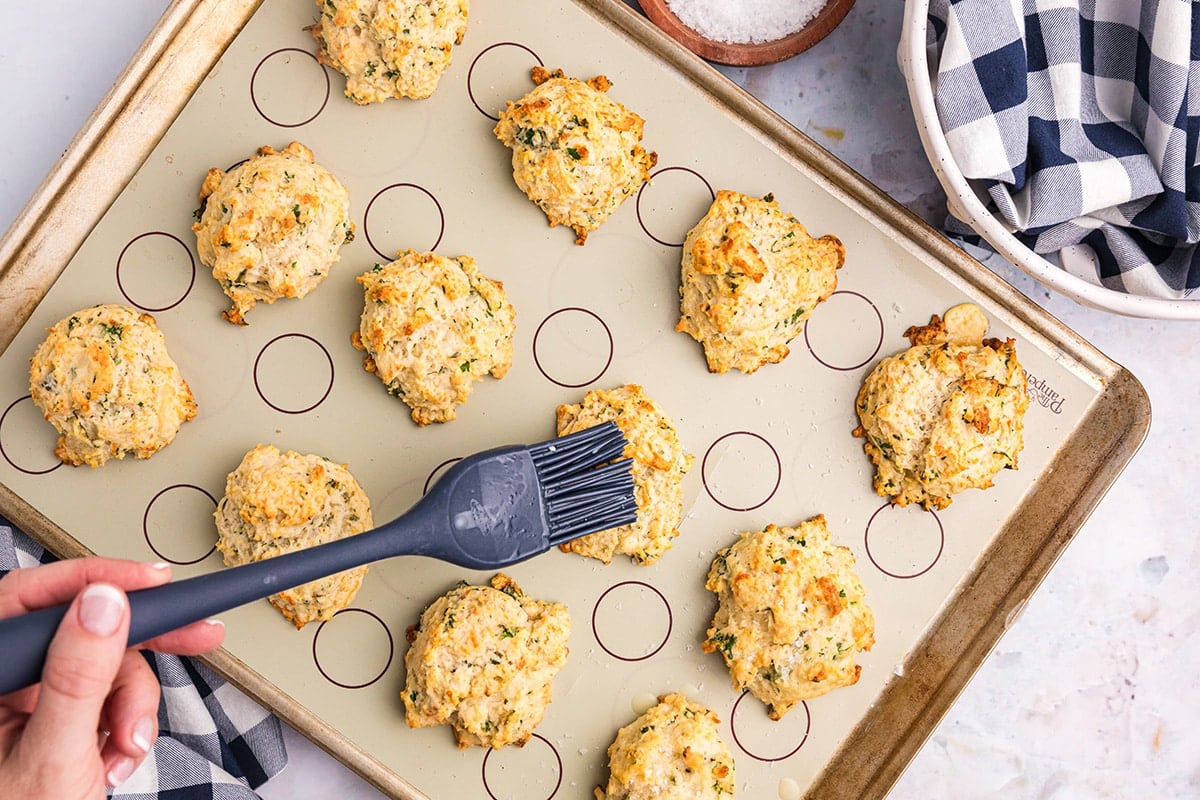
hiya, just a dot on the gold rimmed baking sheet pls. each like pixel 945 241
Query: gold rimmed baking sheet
pixel 771 447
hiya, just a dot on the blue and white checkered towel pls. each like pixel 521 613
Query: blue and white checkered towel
pixel 214 743
pixel 1078 120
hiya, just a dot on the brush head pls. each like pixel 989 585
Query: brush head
pixel 586 484
pixel 508 504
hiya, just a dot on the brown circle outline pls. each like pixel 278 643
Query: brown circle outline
pixel 191 260
pixel 557 758
pixel 479 55
pixel 146 520
pixel 918 573
pixel 429 194
pixel 607 363
pixel 670 621
pixel 865 361
pixel 430 479
pixel 328 358
pixel 254 100
pixel 642 188
pixel 778 468
pixel 386 667
pixel 4 453
pixel 744 749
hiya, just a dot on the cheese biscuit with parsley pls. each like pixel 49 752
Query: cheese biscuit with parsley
pixel 103 378
pixel 482 660
pixel 271 227
pixel 659 464
pixel 389 48
pixel 792 618
pixel 576 153
pixel 945 415
pixel 276 503
pixel 431 327
pixel 673 751
pixel 750 276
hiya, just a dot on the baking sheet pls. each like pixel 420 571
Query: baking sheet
pixel 771 447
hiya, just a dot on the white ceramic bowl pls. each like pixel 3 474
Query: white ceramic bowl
pixel 967 206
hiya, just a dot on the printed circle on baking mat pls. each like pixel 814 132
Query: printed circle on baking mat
pixel 763 738
pixel 354 649
pixel 904 542
pixel 178 524
pixel 293 373
pixel 289 88
pixel 25 452
pixel 500 72
pixel 532 772
pixel 403 216
pixel 621 277
pixel 845 331
pixel 632 621
pixel 672 202
pixel 573 347
pixel 155 271
pixel 741 471
pixel 437 473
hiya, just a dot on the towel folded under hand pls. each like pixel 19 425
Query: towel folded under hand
pixel 1076 119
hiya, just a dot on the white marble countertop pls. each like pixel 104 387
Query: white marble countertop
pixel 1091 693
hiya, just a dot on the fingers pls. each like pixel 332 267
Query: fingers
pixel 190 640
pixel 131 714
pixel 23 590
pixel 91 679
pixel 81 665
pixel 131 717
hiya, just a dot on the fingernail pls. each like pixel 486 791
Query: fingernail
pixel 143 734
pixel 120 771
pixel 101 608
pixel 160 565
pixel 214 622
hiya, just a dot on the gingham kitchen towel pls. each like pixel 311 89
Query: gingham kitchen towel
pixel 1078 121
pixel 214 743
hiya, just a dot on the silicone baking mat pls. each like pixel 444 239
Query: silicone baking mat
pixel 771 447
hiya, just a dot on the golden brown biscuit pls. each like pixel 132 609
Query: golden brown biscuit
pixel 750 276
pixel 103 378
pixel 673 751
pixel 431 327
pixel 271 227
pixel 659 464
pixel 576 153
pixel 793 616
pixel 945 415
pixel 397 48
pixel 277 503
pixel 482 660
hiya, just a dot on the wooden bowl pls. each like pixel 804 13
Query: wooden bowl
pixel 747 55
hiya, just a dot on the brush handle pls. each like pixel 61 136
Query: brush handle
pixel 24 639
pixel 464 519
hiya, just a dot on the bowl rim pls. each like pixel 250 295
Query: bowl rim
pixel 966 204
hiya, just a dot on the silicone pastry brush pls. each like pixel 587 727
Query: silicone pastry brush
pixel 487 511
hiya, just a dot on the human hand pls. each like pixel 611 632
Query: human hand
pixel 94 716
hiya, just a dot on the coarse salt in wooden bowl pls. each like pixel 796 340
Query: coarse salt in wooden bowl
pixel 751 54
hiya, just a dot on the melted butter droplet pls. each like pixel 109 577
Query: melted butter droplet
pixel 789 789
pixel 836 134
pixel 643 702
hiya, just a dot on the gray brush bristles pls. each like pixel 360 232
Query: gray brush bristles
pixel 567 455
pixel 584 488
pixel 599 499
